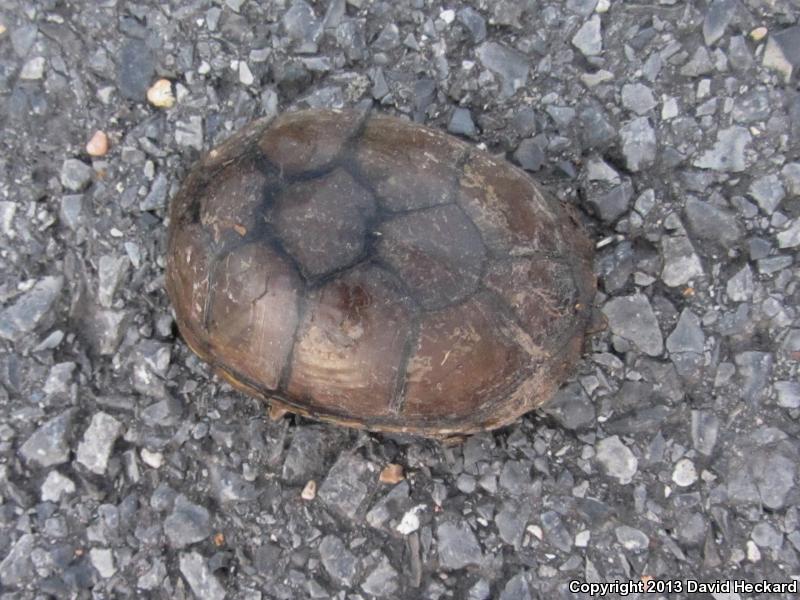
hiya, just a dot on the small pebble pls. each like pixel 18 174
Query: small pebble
pixel 768 192
pixel 508 64
pixel 410 521
pixel 382 581
pixel 631 538
pixel 347 485
pixel 103 560
pixel 75 175
pixel 684 473
pixel 194 568
pixel 392 473
pixel 135 69
pixel 758 34
pixel 728 152
pixel 681 262
pixel 780 53
pixel 669 109
pixel 617 459
pixel 461 123
pixel 788 394
pixel 160 94
pixel 638 144
pixel 632 318
pixel 58 380
pixel 98 144
pixel 791 236
pixel 235 5
pixel 309 490
pixel 55 486
pixel 94 451
pixel 589 38
pixel 530 155
pixel 638 98
pixel 340 564
pixel 535 531
pixel 245 74
pixel 457 546
pixel 152 459
pixel 753 553
pixel 49 444
pixel 582 538
pixel 33 69
pixel 187 524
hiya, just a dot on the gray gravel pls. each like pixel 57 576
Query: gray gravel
pixel 127 469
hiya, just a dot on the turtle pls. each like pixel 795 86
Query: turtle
pixel 359 268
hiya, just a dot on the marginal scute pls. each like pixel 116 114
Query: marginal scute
pixel 308 140
pixel 410 166
pixel 438 244
pixel 188 262
pixel 349 349
pixel 253 311
pixel 323 222
pixel 461 362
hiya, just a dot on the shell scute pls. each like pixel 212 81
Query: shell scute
pixel 438 244
pixel 349 350
pixel 323 222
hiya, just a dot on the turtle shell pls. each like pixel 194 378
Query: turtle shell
pixel 362 269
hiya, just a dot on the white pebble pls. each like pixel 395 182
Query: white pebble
pixel 95 449
pixel 753 553
pixel 669 109
pixel 582 538
pixel 104 94
pixel 617 459
pixel 55 486
pixel 160 94
pixel 410 521
pixel 703 89
pixel 535 531
pixel 103 560
pixel 684 473
pixel 309 490
pixel 245 74
pixel 152 459
pixel 33 69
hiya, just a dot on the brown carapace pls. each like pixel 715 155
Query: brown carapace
pixel 365 270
